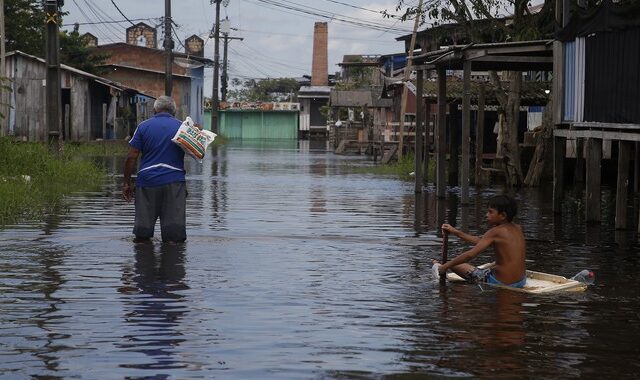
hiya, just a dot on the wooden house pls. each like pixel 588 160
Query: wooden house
pixel 93 107
pixel 598 104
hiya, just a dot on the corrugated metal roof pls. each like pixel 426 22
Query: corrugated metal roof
pixel 101 80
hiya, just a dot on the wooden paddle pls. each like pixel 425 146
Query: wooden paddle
pixel 445 249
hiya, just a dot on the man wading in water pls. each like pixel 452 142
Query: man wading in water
pixel 507 240
pixel 160 185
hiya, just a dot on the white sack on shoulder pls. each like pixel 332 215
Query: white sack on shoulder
pixel 192 140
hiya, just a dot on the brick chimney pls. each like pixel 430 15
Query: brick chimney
pixel 320 65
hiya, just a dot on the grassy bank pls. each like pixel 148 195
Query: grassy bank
pixel 401 168
pixel 33 181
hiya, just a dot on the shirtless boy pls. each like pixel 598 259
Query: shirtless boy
pixel 507 240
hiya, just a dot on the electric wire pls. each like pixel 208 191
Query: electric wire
pixel 111 22
pixel 114 31
pixel 98 27
pixel 331 16
pixel 115 5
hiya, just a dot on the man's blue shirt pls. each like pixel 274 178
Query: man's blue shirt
pixel 162 160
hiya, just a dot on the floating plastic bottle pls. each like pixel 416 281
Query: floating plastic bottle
pixel 585 276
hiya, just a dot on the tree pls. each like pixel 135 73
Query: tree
pixel 25 30
pixel 265 90
pixel 75 52
pixel 524 26
pixel 24 26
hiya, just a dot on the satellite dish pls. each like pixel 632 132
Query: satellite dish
pixel 225 3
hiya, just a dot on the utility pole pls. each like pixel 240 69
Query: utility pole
pixel 53 73
pixel 3 73
pixel 168 48
pixel 405 79
pixel 216 70
pixel 225 77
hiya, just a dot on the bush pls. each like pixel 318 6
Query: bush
pixel 33 181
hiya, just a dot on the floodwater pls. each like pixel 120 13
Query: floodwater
pixel 300 266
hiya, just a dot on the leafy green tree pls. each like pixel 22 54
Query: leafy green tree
pixel 75 53
pixel 266 90
pixel 24 26
pixel 25 30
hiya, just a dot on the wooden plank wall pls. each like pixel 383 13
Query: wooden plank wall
pixel 30 104
pixel 80 110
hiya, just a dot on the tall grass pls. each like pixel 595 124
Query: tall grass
pixel 402 168
pixel 33 181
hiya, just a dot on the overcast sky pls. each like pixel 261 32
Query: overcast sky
pixel 278 34
pixel 278 40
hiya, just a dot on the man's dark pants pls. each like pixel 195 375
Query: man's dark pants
pixel 167 202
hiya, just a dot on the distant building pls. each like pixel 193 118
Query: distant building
pixel 89 39
pixel 141 65
pixel 313 98
pixel 142 34
pixel 361 69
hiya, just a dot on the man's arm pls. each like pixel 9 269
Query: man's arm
pixel 129 168
pixel 464 236
pixel 484 243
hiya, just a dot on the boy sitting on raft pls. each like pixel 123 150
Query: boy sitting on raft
pixel 507 240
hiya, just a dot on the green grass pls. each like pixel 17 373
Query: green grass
pixel 49 179
pixel 400 168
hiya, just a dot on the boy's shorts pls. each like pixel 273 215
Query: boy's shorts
pixel 486 275
pixel 167 202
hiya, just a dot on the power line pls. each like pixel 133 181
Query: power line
pixel 98 27
pixel 269 58
pixel 125 17
pixel 94 9
pixel 361 8
pixel 111 22
pixel 310 35
pixel 331 16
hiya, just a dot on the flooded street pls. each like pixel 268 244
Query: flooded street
pixel 298 265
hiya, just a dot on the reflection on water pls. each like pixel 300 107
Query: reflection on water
pixel 297 266
pixel 154 304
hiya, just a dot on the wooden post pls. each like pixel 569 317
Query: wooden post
pixel 104 121
pixel 53 103
pixel 445 254
pixel 454 150
pixel 427 142
pixel 442 132
pixel 480 135
pixel 559 153
pixel 418 148
pixel 67 122
pixel 578 177
pixel 594 175
pixel 4 98
pixel 636 171
pixel 466 132
pixel 406 76
pixel 622 188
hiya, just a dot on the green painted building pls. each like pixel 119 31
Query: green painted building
pixel 257 124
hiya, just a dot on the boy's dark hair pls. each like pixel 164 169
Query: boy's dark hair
pixel 506 204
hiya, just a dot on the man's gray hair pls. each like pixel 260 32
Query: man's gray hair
pixel 165 104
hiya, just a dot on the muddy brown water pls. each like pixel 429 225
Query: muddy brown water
pixel 300 266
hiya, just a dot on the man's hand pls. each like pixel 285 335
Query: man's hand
pixel 450 229
pixel 127 192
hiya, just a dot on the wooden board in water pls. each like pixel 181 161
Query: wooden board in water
pixel 537 282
